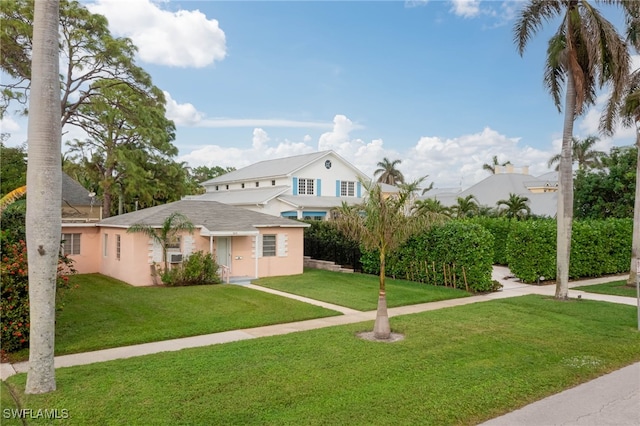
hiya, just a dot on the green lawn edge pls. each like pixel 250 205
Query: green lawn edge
pixel 358 291
pixel 614 288
pixel 100 312
pixel 461 365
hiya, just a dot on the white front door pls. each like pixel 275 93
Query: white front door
pixel 223 251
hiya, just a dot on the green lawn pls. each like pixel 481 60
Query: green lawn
pixel 616 288
pixel 357 291
pixel 460 365
pixel 103 313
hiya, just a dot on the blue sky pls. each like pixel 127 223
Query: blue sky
pixel 436 84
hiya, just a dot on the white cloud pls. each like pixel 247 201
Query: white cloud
pixel 449 162
pixel 466 8
pixel 182 114
pixel 261 122
pixel 260 138
pixel 179 39
pixel 187 115
pixel 9 125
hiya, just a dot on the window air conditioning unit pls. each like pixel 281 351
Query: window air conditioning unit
pixel 175 257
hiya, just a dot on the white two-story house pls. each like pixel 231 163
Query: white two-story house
pixel 304 186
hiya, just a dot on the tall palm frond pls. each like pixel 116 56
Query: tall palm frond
pixel 388 172
pixel 585 54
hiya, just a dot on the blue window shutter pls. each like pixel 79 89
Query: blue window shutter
pixel 337 188
pixel 359 190
pixel 319 186
pixel 295 186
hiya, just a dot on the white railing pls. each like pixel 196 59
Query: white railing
pixel 225 273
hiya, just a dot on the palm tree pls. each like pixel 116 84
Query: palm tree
pixel 171 228
pixel 516 206
pixel 585 53
pixel 430 206
pixel 465 207
pixel 380 224
pixel 631 116
pixel 492 167
pixel 388 172
pixel 44 180
pixel 582 154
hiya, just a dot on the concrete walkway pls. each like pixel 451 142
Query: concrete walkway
pixel 613 399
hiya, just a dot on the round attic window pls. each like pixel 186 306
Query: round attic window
pixel 327 164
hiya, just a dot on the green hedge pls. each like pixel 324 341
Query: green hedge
pixel 457 253
pixel 500 227
pixel 598 247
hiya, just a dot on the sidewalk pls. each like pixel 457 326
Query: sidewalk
pixel 613 399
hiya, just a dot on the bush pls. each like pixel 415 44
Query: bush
pixel 531 250
pixel 323 241
pixel 457 253
pixel 598 247
pixel 198 269
pixel 14 294
pixel 500 227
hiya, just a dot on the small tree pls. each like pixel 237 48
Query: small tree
pixel 465 207
pixel 491 168
pixel 165 234
pixel 516 207
pixel 380 224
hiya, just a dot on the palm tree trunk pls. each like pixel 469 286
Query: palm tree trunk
pixel 635 238
pixel 381 328
pixel 564 215
pixel 44 180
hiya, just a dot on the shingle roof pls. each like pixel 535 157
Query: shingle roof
pixel 212 215
pixel 269 168
pixel 249 196
pixel 74 193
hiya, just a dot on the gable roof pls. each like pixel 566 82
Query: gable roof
pixel 250 196
pixel 212 216
pixel 279 167
pixel 73 193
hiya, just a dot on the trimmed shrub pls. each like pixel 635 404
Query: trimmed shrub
pixel 457 254
pixel 198 269
pixel 531 249
pixel 323 241
pixel 598 247
pixel 500 227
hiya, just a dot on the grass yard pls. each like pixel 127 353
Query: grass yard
pixel 104 313
pixel 616 288
pixel 456 366
pixel 357 291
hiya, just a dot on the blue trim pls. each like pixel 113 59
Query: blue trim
pixel 319 186
pixel 295 186
pixel 359 190
pixel 293 214
pixel 337 188
pixel 314 214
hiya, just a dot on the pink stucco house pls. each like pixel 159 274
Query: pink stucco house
pixel 246 243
